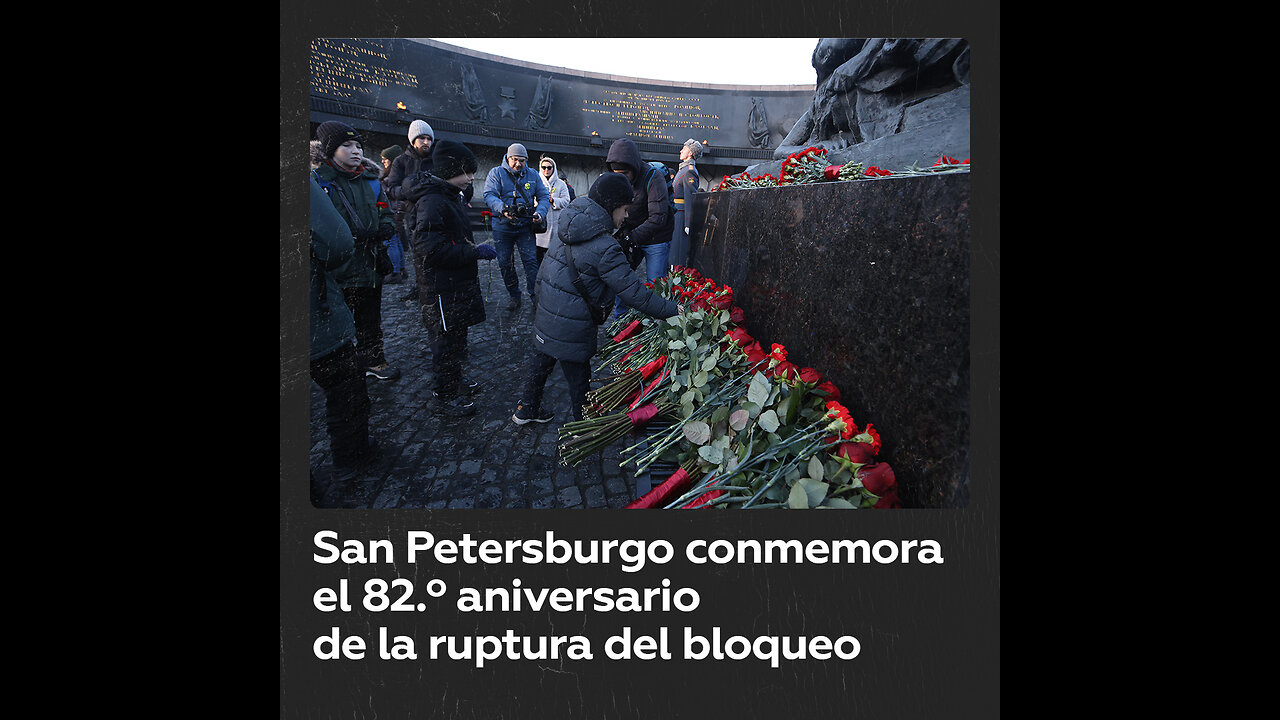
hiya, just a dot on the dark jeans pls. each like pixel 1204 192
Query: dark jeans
pixel 577 374
pixel 507 239
pixel 346 404
pixel 448 355
pixel 366 309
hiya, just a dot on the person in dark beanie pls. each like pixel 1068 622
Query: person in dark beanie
pixel 507 188
pixel 395 246
pixel 400 179
pixel 565 326
pixel 448 276
pixel 357 194
pixel 333 355
pixel 647 232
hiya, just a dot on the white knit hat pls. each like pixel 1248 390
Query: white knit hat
pixel 420 127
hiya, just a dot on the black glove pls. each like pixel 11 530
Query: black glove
pixel 486 252
pixel 386 232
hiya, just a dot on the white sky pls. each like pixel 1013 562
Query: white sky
pixel 703 60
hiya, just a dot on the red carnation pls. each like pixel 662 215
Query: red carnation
pixel 381 204
pixel 877 477
pixel 875 437
pixel 778 351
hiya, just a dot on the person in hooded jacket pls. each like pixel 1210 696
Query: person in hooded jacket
pixel 564 330
pixel 449 279
pixel 559 192
pixel 509 184
pixel 400 180
pixel 356 193
pixel 333 332
pixel 647 231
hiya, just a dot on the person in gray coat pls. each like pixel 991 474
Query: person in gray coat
pixel 564 329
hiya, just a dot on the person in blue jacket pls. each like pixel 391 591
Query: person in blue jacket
pixel 333 332
pixel 507 187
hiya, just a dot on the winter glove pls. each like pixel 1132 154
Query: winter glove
pixel 486 252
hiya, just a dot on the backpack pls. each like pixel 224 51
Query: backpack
pixel 656 166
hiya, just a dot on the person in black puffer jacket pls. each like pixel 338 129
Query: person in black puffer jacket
pixel 647 231
pixel 448 279
pixel 563 328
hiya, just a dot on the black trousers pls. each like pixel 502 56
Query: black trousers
pixel 577 374
pixel 346 403
pixel 366 308
pixel 448 355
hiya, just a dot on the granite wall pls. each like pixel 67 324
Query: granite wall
pixel 868 283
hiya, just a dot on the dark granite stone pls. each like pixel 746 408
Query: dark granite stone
pixel 868 283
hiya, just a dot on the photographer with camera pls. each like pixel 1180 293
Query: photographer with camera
pixel 520 203
pixel 357 195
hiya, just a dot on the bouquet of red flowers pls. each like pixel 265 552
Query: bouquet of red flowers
pixel 747 428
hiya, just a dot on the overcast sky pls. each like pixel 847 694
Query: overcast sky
pixel 702 60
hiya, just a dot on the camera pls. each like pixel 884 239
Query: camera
pixel 517 209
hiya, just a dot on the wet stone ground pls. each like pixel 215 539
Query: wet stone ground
pixel 429 460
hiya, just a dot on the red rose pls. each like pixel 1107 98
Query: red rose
pixel 755 353
pixel 877 477
pixel 889 500
pixel 833 393
pixel 856 452
pixel 810 375
pixel 831 172
pixel 784 370
pixel 722 302
pixel 736 315
pixel 741 337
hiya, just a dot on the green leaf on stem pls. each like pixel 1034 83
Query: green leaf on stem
pixel 840 503
pixel 814 490
pixel 815 468
pixel 768 421
pixel 711 454
pixel 738 419
pixel 758 390
pixel 697 432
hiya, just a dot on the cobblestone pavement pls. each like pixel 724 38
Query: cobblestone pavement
pixel 428 460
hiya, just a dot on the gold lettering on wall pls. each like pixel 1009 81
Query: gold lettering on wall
pixel 342 68
pixel 653 115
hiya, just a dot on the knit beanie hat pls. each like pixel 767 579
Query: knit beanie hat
pixel 420 127
pixel 332 134
pixel 392 152
pixel 450 159
pixel 610 191
pixel 695 146
pixel 517 150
